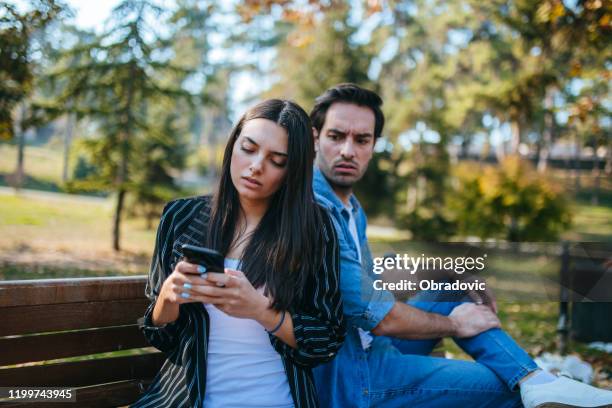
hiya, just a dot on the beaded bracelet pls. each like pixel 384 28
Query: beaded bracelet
pixel 278 326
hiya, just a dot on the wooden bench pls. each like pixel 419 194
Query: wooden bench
pixel 42 320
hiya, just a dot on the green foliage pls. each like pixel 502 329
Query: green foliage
pixel 423 193
pixel 375 190
pixel 83 169
pixel 511 201
pixel 319 55
pixel 17 37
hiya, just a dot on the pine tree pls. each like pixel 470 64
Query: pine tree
pixel 116 80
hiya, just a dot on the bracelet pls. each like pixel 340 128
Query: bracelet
pixel 278 326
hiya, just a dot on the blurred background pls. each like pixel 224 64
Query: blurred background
pixel 498 127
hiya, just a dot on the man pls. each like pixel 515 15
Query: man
pixel 385 358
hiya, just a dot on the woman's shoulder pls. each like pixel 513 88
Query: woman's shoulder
pixel 184 208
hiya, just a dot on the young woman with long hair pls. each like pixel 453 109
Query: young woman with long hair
pixel 248 337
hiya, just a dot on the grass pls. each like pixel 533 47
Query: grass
pixel 43 165
pixel 43 237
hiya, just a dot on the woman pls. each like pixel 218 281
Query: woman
pixel 248 337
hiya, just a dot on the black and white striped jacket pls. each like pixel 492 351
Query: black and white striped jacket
pixel 318 325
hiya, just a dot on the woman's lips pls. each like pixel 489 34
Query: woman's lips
pixel 251 182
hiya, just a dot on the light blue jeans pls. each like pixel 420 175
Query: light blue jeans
pixel 406 376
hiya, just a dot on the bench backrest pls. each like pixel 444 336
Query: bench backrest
pixel 42 320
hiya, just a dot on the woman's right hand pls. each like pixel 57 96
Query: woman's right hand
pixel 178 288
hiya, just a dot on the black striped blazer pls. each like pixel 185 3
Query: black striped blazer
pixel 318 324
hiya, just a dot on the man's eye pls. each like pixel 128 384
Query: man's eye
pixel 334 136
pixel 363 141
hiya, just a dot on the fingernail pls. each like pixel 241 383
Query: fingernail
pixel 185 295
pixel 187 285
pixel 219 284
pixel 201 269
pixel 204 275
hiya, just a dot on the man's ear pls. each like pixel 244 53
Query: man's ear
pixel 315 134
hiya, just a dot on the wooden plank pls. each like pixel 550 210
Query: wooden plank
pixel 84 373
pixel 100 396
pixel 52 291
pixel 25 349
pixel 70 316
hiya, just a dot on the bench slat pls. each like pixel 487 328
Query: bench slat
pixel 16 350
pixel 54 291
pixel 84 373
pixel 70 316
pixel 107 395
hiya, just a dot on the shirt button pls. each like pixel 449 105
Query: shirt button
pixel 365 391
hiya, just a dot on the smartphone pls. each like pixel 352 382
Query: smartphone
pixel 211 259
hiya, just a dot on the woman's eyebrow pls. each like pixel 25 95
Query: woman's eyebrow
pixel 273 152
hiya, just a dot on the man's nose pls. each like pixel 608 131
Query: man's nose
pixel 348 151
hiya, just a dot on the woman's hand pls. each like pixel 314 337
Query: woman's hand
pixel 178 288
pixel 232 293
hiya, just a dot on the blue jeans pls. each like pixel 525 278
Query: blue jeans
pixel 404 375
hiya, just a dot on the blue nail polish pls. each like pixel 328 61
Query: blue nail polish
pixel 201 269
pixel 185 295
pixel 204 275
pixel 187 285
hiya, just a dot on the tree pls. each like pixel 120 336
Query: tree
pixel 320 55
pixel 116 81
pixel 20 33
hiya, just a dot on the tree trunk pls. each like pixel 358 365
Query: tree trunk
pixel 608 166
pixel 547 134
pixel 117 218
pixel 124 140
pixel 67 144
pixel 19 174
pixel 515 128
pixel 596 178
pixel 577 149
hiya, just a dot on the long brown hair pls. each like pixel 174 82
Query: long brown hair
pixel 283 251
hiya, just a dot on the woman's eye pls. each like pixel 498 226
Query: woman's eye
pixel 245 149
pixel 277 164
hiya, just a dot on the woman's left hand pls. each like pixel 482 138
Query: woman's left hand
pixel 232 293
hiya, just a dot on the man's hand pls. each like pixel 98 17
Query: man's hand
pixel 485 297
pixel 470 319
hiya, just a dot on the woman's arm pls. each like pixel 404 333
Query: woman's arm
pixel 161 333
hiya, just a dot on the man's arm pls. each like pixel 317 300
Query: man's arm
pixel 408 322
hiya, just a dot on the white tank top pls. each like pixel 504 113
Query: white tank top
pixel 243 369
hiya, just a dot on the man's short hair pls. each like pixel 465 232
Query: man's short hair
pixel 348 93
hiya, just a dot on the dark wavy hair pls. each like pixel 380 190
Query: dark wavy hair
pixel 348 93
pixel 284 248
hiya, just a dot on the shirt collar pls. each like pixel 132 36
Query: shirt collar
pixel 322 187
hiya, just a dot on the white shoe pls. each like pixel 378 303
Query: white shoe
pixel 564 393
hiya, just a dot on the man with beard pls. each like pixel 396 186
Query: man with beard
pixel 385 359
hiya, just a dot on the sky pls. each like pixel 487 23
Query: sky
pixel 92 14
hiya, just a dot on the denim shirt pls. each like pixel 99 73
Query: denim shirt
pixel 344 382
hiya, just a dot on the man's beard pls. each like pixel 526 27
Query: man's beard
pixel 341 183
